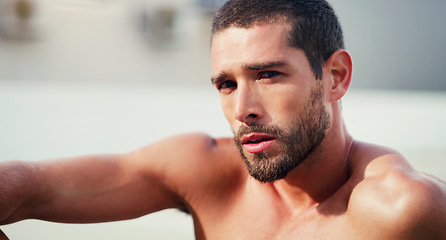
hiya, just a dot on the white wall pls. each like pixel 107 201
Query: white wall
pixel 395 43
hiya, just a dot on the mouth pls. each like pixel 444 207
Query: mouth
pixel 255 143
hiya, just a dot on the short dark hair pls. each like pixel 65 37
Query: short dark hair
pixel 314 25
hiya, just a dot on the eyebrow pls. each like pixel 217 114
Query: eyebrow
pixel 261 66
pixel 254 67
pixel 218 79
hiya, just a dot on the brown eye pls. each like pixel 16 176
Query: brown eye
pixel 227 85
pixel 268 74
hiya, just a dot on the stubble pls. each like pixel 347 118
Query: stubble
pixel 303 137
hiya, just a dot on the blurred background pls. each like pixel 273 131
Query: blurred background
pixel 98 76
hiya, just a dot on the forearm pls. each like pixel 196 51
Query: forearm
pixel 78 189
pixel 63 190
pixel 81 189
pixel 16 183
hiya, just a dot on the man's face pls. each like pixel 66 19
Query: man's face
pixel 270 97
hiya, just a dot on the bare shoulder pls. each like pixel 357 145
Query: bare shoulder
pixel 192 151
pixel 396 199
pixel 190 164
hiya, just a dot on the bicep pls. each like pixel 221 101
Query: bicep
pixel 166 174
pixel 96 189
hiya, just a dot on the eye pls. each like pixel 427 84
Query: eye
pixel 268 74
pixel 226 86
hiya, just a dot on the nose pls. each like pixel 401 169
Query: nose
pixel 247 107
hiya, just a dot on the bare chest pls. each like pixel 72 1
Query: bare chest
pixel 260 219
pixel 262 225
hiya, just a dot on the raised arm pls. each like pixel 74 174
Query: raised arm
pixel 100 188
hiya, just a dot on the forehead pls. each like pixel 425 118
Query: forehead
pixel 260 43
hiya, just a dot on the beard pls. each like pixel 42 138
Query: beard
pixel 304 136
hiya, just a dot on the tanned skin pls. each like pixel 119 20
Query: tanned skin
pixel 344 189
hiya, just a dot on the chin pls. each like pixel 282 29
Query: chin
pixel 266 169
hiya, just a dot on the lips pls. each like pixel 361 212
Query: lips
pixel 255 143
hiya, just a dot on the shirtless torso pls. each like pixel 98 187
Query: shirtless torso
pixel 382 197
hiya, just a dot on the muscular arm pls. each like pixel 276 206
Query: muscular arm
pixel 394 201
pixel 97 188
pixel 427 212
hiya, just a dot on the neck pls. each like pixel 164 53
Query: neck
pixel 322 174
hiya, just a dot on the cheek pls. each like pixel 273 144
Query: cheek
pixel 287 105
pixel 287 111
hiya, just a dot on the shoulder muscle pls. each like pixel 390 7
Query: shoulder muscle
pixel 191 164
pixel 401 203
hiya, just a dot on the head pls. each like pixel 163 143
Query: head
pixel 279 66
pixel 314 27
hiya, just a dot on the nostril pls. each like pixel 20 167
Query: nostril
pixel 251 119
pixel 252 115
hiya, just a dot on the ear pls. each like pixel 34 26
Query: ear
pixel 339 67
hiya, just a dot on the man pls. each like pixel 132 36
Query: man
pixel 280 69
